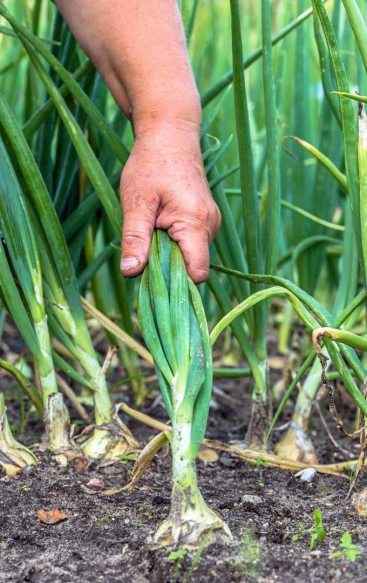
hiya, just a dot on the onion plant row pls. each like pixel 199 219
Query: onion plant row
pixel 284 142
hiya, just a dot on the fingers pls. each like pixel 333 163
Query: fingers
pixel 194 233
pixel 139 221
pixel 194 245
pixel 171 196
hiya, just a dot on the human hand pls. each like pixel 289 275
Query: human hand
pixel 164 186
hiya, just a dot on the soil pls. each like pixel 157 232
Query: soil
pixel 107 538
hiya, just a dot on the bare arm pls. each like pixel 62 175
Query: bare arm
pixel 139 48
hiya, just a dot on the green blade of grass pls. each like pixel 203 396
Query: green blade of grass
pixel 324 160
pixel 348 115
pixel 15 305
pixel 93 113
pixel 201 408
pixel 247 174
pixel 356 20
pixel 227 79
pixel 272 219
pixel 95 172
pixel 25 384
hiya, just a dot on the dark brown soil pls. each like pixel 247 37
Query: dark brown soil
pixel 106 538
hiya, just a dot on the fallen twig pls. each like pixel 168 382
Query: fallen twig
pixel 249 455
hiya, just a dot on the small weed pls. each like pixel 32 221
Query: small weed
pixel 350 470
pixel 25 488
pixel 348 550
pixel 300 532
pixel 104 519
pixel 316 531
pixel 260 462
pixel 177 557
pixel 127 457
pixel 325 489
pixel 248 556
pixel 196 558
pixel 261 483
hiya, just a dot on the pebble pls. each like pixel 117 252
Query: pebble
pixel 228 461
pixel 252 500
pixel 307 475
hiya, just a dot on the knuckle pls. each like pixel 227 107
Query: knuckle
pixel 199 215
pixel 205 214
pixel 133 238
pixel 138 198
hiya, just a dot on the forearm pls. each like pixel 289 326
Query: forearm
pixel 139 48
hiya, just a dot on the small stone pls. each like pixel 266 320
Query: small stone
pixel 228 461
pixel 307 475
pixel 252 500
pixel 29 470
pixel 160 500
pixel 96 484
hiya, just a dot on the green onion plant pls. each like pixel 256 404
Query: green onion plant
pixel 173 324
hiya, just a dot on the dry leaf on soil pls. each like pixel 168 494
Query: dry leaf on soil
pixel 96 484
pixel 207 455
pixel 52 516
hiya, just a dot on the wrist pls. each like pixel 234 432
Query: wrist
pixel 168 132
pixel 169 135
pixel 180 115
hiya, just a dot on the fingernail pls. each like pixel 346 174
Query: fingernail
pixel 129 263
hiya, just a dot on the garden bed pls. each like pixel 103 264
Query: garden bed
pixel 106 538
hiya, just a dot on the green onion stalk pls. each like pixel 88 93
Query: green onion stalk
pixel 56 280
pixel 112 295
pixel 56 416
pixel 20 268
pixel 296 443
pixel 14 456
pixel 110 437
pixel 173 324
pixel 261 244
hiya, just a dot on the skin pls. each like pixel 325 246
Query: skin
pixel 139 48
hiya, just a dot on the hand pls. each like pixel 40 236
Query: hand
pixel 164 186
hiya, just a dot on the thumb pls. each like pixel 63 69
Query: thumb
pixel 137 233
